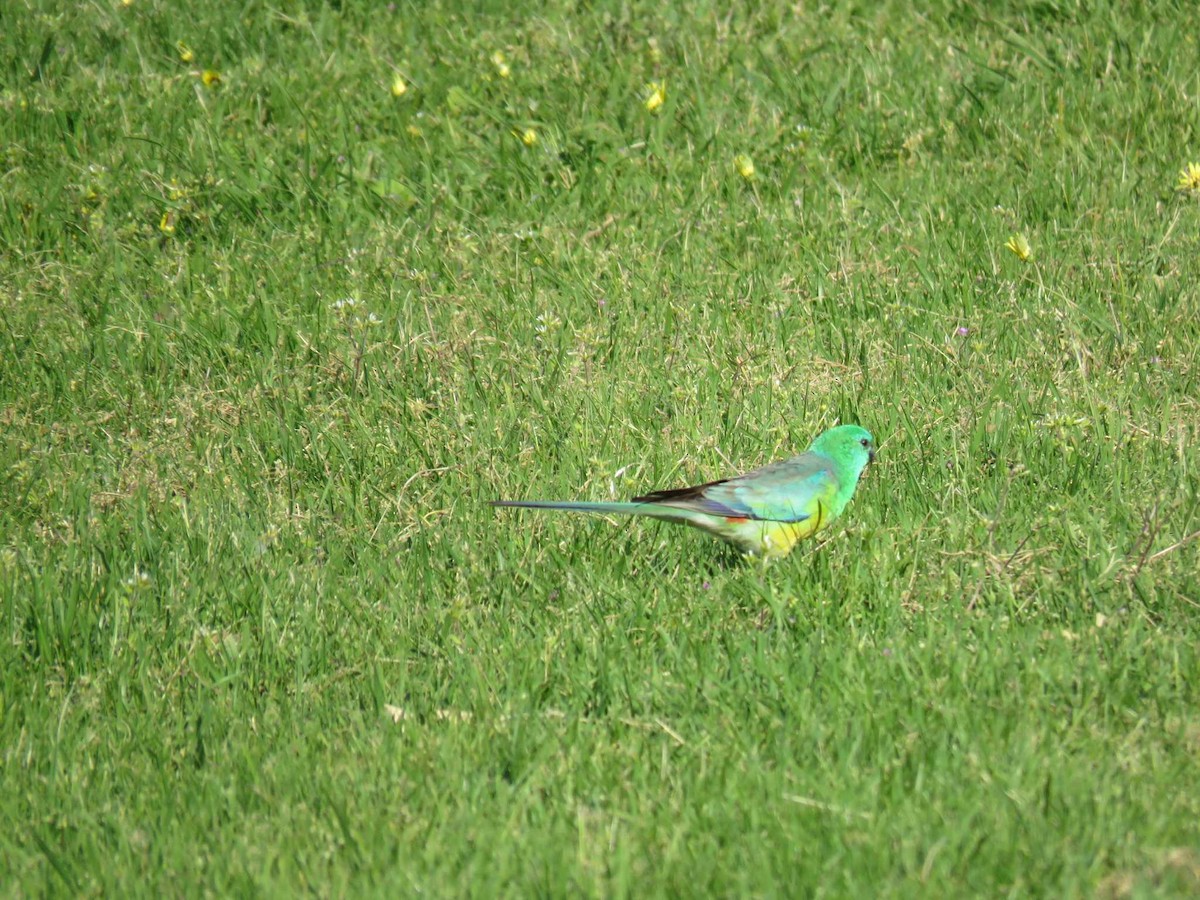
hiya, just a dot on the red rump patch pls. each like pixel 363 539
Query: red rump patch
pixel 736 520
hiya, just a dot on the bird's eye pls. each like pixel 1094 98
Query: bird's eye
pixel 865 442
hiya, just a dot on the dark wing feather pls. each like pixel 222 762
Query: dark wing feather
pixel 784 491
pixel 694 498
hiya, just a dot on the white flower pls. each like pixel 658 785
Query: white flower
pixel 139 580
pixel 546 322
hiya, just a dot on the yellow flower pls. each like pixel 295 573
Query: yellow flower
pixel 744 165
pixel 1019 247
pixel 1189 179
pixel 167 224
pixel 399 88
pixel 501 64
pixel 185 52
pixel 210 77
pixel 528 137
pixel 656 95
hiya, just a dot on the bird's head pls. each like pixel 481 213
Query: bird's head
pixel 849 446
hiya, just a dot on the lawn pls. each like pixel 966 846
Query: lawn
pixel 289 292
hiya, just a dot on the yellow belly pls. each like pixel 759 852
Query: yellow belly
pixel 776 539
pixel 770 540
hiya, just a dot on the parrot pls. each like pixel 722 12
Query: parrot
pixel 765 512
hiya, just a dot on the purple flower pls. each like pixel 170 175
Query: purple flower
pixel 962 330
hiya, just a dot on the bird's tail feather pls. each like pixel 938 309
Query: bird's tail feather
pixel 575 506
pixel 653 510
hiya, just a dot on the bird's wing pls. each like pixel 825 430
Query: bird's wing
pixel 789 491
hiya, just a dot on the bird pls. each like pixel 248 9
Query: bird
pixel 766 512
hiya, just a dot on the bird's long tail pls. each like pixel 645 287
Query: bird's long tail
pixel 654 510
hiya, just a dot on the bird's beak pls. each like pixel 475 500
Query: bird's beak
pixel 870 456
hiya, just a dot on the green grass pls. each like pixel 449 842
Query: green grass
pixel 261 633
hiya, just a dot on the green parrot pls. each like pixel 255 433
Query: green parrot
pixel 765 512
